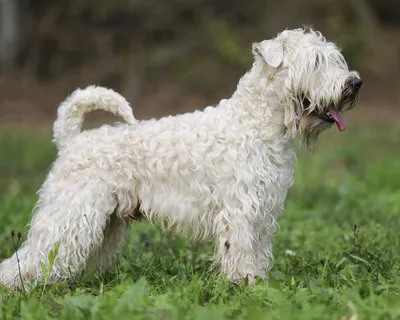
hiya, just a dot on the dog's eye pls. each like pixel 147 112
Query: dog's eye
pixel 306 103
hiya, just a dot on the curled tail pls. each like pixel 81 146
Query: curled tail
pixel 72 110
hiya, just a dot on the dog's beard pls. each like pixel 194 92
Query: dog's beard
pixel 312 123
pixel 309 128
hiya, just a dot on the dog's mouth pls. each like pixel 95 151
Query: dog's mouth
pixel 332 115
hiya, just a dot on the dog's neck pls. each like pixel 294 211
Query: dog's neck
pixel 252 98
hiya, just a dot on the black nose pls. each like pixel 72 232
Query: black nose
pixel 356 83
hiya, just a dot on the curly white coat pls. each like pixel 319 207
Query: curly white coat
pixel 222 173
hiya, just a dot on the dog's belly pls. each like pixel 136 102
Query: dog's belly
pixel 188 209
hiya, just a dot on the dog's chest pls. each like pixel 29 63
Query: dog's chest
pixel 275 178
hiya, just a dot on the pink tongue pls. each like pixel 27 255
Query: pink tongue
pixel 338 118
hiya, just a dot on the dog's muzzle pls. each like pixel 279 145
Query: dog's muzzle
pixel 349 98
pixel 333 112
pixel 350 92
pixel 351 88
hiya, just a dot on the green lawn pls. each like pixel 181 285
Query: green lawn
pixel 337 253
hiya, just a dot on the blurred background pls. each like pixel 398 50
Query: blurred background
pixel 169 57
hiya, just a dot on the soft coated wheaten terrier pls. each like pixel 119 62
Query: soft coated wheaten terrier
pixel 221 173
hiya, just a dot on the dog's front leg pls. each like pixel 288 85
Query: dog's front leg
pixel 236 249
pixel 263 253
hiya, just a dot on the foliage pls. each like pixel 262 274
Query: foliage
pixel 61 36
pixel 337 253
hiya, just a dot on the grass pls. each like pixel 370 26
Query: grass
pixel 337 253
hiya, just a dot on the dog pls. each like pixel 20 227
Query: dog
pixel 221 174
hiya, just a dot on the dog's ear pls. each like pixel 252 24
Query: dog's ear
pixel 271 51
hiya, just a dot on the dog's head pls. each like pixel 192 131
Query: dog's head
pixel 313 78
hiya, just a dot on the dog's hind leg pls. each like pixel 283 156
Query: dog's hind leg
pixel 115 238
pixel 75 216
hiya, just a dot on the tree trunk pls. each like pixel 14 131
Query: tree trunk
pixel 8 32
